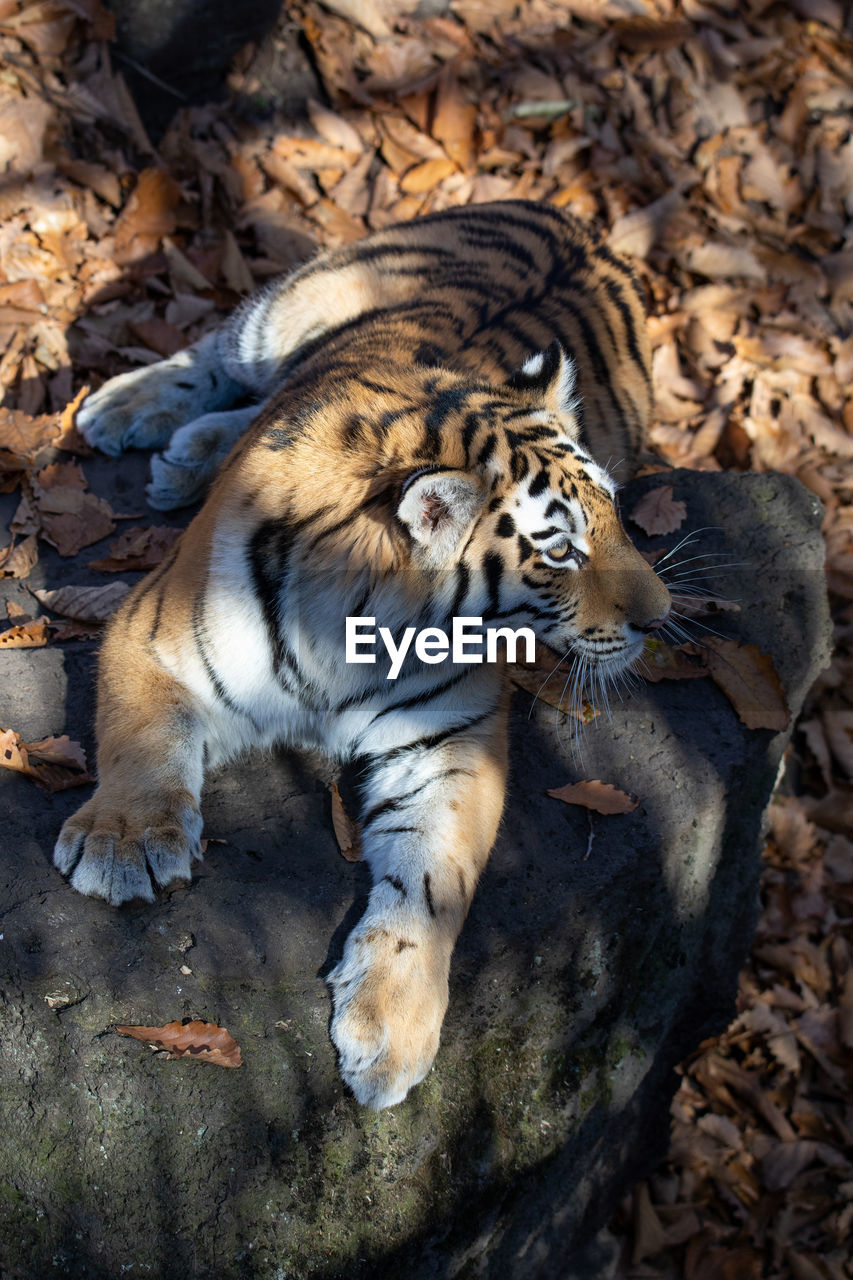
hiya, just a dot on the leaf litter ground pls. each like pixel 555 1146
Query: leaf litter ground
pixel 712 142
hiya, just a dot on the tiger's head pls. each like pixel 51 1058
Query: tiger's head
pixel 515 522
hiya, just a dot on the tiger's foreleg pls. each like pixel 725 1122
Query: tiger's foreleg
pixel 431 819
pixel 142 827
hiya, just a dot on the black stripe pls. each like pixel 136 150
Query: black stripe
pixel 463 581
pixel 158 614
pixel 428 895
pixel 212 673
pixel 420 699
pixel 618 299
pixel 431 740
pixel 493 567
pixel 152 579
pixel 392 803
pixel 268 552
pixel 539 483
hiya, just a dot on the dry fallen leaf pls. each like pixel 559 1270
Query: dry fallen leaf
pixel 454 120
pixel 658 512
pixel 597 795
pixel 347 831
pixel 204 1041
pixel 660 662
pixel 85 604
pixel 749 680
pixel 24 435
pixel 17 561
pixel 148 216
pixel 27 635
pixel 69 436
pixel 53 763
pixel 138 548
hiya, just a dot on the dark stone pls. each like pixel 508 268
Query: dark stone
pixel 173 53
pixel 598 953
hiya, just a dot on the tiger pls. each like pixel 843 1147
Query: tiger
pixel 427 424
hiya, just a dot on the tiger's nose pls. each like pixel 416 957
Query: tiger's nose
pixel 656 623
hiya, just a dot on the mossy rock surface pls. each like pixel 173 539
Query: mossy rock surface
pixel 598 953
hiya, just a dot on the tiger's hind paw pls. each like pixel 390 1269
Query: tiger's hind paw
pixel 143 408
pixel 107 854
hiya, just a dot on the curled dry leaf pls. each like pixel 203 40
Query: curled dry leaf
pixel 53 763
pixel 25 635
pixel 603 797
pixel 66 515
pixel 347 830
pixel 69 436
pixel 699 606
pixel 454 120
pixel 23 435
pixel 85 604
pixel 138 548
pixel 202 1040
pixel 17 561
pixel 749 680
pixel 148 216
pixel 660 662
pixel 659 512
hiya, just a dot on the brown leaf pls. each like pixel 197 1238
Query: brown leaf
pixel 158 336
pixel 698 606
pixel 148 216
pixel 69 436
pixel 202 1040
pixel 749 680
pixel 24 435
pixel 454 120
pixel 27 635
pixel 85 604
pixel 426 175
pixel 69 518
pixel 61 475
pixel 61 751
pixel 337 131
pixel 657 512
pixel 593 794
pixel 138 548
pixel 235 270
pixel 53 763
pixel 660 662
pixel 347 831
pixel 17 561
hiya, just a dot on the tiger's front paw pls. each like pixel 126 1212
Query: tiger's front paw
pixel 390 993
pixel 118 848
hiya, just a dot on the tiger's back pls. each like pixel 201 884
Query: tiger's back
pixel 478 290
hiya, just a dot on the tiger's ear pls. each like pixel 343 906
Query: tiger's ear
pixel 438 508
pixel 550 379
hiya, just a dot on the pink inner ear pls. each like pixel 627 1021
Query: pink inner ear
pixel 433 510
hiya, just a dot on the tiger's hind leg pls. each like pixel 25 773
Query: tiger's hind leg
pixel 180 475
pixel 142 409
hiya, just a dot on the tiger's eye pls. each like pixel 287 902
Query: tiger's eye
pixel 560 550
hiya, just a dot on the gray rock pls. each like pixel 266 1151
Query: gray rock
pixel 598 953
pixel 177 52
